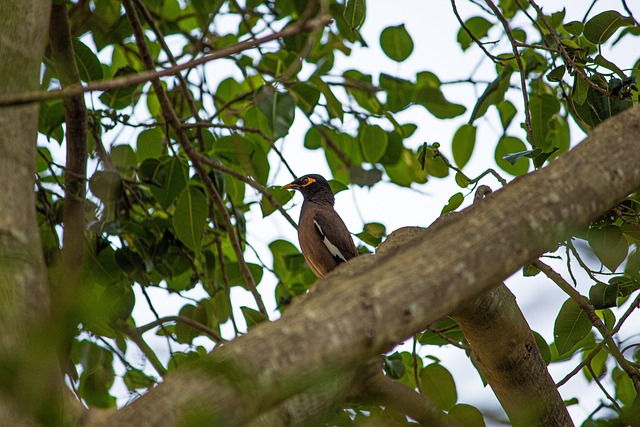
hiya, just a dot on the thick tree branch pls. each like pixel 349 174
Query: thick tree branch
pixel 368 305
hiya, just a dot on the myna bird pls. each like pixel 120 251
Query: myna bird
pixel 324 239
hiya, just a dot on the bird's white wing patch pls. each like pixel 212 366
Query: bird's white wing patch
pixel 333 249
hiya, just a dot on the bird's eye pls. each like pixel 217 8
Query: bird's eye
pixel 305 181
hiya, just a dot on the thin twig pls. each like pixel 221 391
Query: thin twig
pixel 521 69
pixel 181 319
pixel 563 52
pixel 588 309
pixel 149 75
pixel 172 119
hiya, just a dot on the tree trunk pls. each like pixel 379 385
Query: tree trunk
pixel 368 305
pixel 26 376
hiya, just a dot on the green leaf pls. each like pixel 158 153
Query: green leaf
pixel 396 43
pixel 462 180
pixel 359 85
pixel 89 66
pixel 400 93
pixel 334 107
pixel 571 326
pixel 135 379
pixel 478 26
pixel 603 296
pixel 508 145
pixel 305 96
pixel 252 317
pixel 467 415
pixel 438 385
pixel 106 185
pixel 373 142
pixel 492 95
pixel 431 97
pixel 281 196
pixel 543 109
pixel 169 179
pixel 507 112
pixel 149 144
pixel 574 27
pixel 354 13
pixel 514 157
pixel 609 245
pixel 394 366
pixel 190 216
pixel 464 140
pixel 598 365
pixel 364 177
pixel 123 97
pixel 454 203
pixel 557 74
pixel 545 351
pixel 278 108
pixel 123 157
pixel 602 26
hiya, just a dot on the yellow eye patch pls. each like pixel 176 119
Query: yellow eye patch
pixel 308 181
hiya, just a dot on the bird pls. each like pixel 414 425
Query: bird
pixel 324 238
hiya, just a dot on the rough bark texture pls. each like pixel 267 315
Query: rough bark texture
pixel 374 302
pixel 506 353
pixel 24 298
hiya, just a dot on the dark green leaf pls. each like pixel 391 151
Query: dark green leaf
pixel 394 367
pixel 396 43
pixel 169 179
pixel 400 92
pixel 602 26
pixel 363 177
pixel 106 185
pixel 557 74
pixel 571 326
pixel 124 97
pixel 603 296
pixel 88 63
pixel 492 95
pixel 574 27
pixel 305 96
pixel 278 108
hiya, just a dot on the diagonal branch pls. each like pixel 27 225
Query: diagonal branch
pixel 172 119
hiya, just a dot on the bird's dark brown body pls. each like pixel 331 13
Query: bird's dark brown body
pixel 324 239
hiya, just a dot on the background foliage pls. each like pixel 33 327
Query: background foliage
pixel 178 169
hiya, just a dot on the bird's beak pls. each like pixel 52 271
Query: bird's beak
pixel 291 186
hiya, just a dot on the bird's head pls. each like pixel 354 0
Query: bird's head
pixel 313 187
